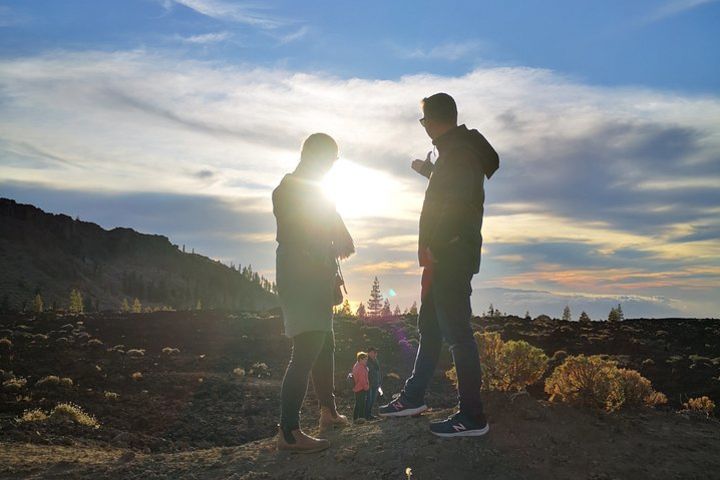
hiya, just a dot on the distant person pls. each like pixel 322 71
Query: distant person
pixel 362 385
pixel 374 380
pixel 449 247
pixel 311 236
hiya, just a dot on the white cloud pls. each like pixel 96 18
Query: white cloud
pixel 240 12
pixel 450 51
pixel 579 164
pixel 206 38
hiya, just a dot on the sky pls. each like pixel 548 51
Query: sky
pixel 179 117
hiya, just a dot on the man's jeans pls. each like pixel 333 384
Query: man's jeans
pixel 445 313
pixel 371 398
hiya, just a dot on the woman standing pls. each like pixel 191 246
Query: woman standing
pixel 311 237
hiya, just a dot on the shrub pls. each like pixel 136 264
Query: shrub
pixel 506 366
pixel 64 412
pixel 66 382
pixel 598 383
pixel 170 351
pixel 95 342
pixel 49 381
pixel 111 396
pixel 5 343
pixel 137 376
pixel 136 352
pixel 34 415
pixel 701 404
pixel 259 370
pixel 240 372
pixel 633 390
pixel 14 383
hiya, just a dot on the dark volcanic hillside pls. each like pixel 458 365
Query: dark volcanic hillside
pixel 52 254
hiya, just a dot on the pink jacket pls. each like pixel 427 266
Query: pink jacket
pixel 360 375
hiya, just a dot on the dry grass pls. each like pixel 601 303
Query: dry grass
pixel 62 412
pixel 701 404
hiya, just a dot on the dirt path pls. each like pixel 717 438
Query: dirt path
pixel 528 439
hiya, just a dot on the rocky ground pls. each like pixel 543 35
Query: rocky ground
pixel 191 414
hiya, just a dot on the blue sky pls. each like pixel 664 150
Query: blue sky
pixel 179 116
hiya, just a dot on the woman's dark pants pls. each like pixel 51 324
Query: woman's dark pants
pixel 312 353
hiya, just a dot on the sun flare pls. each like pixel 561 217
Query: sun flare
pixel 359 191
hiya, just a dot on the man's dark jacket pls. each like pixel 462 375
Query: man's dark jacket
pixel 373 372
pixel 452 213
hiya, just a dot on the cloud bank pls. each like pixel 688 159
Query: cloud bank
pixel 609 192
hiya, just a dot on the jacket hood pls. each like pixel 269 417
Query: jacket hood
pixel 483 152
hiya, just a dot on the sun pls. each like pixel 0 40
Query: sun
pixel 359 191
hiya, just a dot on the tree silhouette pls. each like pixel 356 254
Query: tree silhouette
pixel 386 312
pixel 616 314
pixel 124 306
pixel 566 316
pixel 38 304
pixel 136 306
pixel 397 311
pixel 361 312
pixel 76 302
pixel 584 318
pixel 375 303
pixel 344 310
pixel 413 309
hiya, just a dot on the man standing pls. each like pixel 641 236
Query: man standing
pixel 449 247
pixel 374 377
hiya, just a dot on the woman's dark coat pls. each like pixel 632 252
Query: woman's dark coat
pixel 310 235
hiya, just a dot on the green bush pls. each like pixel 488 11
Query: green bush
pixel 506 366
pixel 596 382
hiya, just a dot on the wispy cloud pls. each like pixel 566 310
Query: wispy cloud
pixel 240 12
pixel 601 191
pixel 449 51
pixel 674 7
pixel 206 38
pixel 294 36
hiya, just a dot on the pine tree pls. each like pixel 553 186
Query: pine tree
pixel 375 304
pixel 614 315
pixel 344 310
pixel 621 315
pixel 397 311
pixel 584 318
pixel 491 311
pixel 136 306
pixel 361 313
pixel 386 312
pixel 38 304
pixel 527 315
pixel 566 316
pixel 124 306
pixel 413 309
pixel 76 302
pixel 198 305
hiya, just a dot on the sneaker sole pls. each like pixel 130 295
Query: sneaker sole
pixel 466 433
pixel 408 412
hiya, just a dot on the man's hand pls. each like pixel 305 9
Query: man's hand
pixel 423 167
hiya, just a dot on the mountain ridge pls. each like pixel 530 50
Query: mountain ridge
pixel 51 254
